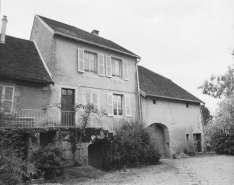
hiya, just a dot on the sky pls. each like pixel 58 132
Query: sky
pixel 184 40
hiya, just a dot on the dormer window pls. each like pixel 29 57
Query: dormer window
pixel 90 62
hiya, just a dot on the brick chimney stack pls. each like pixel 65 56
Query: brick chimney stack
pixel 3 32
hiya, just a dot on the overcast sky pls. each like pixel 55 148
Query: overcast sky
pixel 183 40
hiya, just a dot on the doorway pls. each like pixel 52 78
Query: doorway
pixel 197 142
pixel 67 107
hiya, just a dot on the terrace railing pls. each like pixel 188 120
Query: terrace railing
pixel 53 117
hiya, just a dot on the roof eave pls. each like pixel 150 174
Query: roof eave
pixel 28 79
pixel 99 45
pixel 167 97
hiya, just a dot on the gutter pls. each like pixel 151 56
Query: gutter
pixel 167 97
pixel 99 45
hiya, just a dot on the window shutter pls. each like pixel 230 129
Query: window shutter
pixel 125 70
pixel 108 66
pixel 127 105
pixel 87 96
pixel 95 98
pixel 110 104
pixel 1 94
pixel 8 97
pixel 80 60
pixel 101 69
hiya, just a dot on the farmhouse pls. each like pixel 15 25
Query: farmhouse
pixel 43 79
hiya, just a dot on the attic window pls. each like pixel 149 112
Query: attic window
pixel 187 105
pixel 154 101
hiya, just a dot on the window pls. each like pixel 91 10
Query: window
pixel 117 105
pixel 7 96
pixel 187 137
pixel 154 101
pixel 91 96
pixel 90 62
pixel 116 67
pixel 187 105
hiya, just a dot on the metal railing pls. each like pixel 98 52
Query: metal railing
pixel 54 117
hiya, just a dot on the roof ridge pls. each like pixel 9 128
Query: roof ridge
pixel 73 27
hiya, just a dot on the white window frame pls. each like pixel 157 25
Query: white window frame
pixel 120 67
pixel 95 62
pixel 3 95
pixel 122 102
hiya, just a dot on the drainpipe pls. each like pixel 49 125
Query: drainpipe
pixel 138 89
pixel 3 33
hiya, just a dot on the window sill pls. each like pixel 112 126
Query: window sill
pixel 90 75
pixel 117 79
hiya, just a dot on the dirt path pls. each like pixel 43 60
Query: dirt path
pixel 203 169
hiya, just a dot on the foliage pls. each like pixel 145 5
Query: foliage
pixel 220 130
pixel 11 163
pixel 50 160
pixel 206 114
pixel 219 86
pixel 132 145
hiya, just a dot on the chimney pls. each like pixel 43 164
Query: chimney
pixel 95 32
pixel 3 33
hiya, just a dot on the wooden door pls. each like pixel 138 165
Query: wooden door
pixel 67 107
pixel 197 142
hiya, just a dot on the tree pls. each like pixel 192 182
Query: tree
pixel 219 86
pixel 206 114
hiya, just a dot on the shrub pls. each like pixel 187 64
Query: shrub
pixel 11 162
pixel 50 160
pixel 132 145
pixel 223 143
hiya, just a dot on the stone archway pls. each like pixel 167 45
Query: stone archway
pixel 98 155
pixel 160 137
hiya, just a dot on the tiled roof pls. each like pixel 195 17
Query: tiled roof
pixel 153 84
pixel 19 59
pixel 77 33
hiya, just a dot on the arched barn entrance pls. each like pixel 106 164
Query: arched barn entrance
pixel 160 136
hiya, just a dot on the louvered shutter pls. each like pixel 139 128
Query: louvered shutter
pixel 95 98
pixel 8 98
pixel 87 96
pixel 80 60
pixel 127 105
pixel 125 70
pixel 108 66
pixel 101 66
pixel 110 104
pixel 1 94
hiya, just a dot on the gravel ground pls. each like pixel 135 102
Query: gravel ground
pixel 202 169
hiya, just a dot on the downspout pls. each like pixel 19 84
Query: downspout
pixel 138 89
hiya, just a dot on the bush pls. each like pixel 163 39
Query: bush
pixel 132 145
pixel 223 143
pixel 50 160
pixel 11 163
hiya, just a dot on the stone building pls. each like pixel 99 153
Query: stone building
pixel 173 113
pixel 43 79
